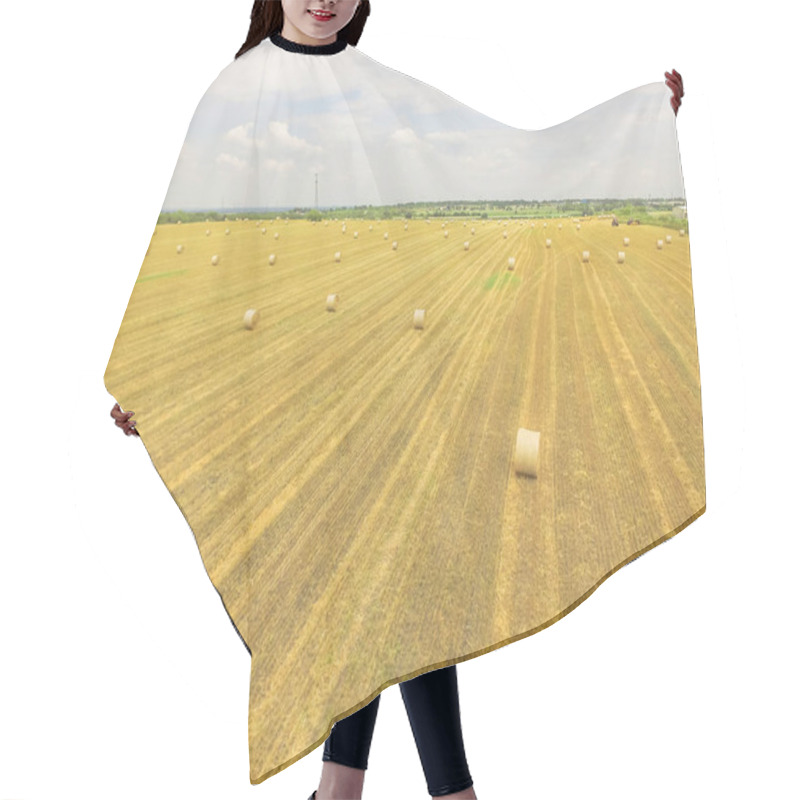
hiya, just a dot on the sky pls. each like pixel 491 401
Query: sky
pixel 273 120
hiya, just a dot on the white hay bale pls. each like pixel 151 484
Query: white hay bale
pixel 344 228
pixel 405 227
pixel 326 223
pixel 682 232
pixel 179 248
pixel 370 227
pixel 446 234
pixel 548 242
pixel 208 232
pixel 505 234
pixel 355 235
pixel 277 235
pixel 337 256
pixel 511 262
pixel 466 245
pixel 215 260
pixel 544 224
pixel 559 226
pixel 472 231
pixel 526 452
pixel 443 224
pixel 263 231
pixel 332 302
pixel 578 227
pixel 394 245
pixel 385 236
pixel 620 257
pixel 585 256
pixel 272 258
pixel 669 239
pixel 465 224
pixel 626 241
pixel 660 244
pixel 419 318
pixel 250 318
pixel 179 222
pixel 227 231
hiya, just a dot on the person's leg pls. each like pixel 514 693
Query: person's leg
pixel 433 710
pixel 346 753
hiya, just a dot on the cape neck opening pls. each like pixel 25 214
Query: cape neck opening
pixel 309 49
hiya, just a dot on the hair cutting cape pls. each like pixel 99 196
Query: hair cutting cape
pixel 419 381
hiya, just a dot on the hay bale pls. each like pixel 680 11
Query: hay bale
pixel 385 236
pixel 263 231
pixel 405 227
pixel 505 234
pixel 215 260
pixel 370 227
pixel 620 257
pixel 544 224
pixel 559 226
pixel 472 231
pixel 394 245
pixel 272 258
pixel 332 302
pixel 179 248
pixel 337 256
pixel 626 241
pixel 419 318
pixel 585 256
pixel 250 318
pixel 511 262
pixel 669 239
pixel 526 452
pixel 578 227
pixel 208 232
pixel 355 235
pixel 682 232
pixel 227 231
pixel 660 244
pixel 277 235
pixel 548 243
pixel 466 245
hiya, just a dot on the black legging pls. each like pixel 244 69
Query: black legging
pixel 432 706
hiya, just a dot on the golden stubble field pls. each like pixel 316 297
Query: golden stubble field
pixel 347 475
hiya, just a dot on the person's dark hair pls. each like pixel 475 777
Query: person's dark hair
pixel 266 18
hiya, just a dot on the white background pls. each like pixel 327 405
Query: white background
pixel 120 673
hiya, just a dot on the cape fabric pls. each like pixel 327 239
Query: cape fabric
pixel 419 381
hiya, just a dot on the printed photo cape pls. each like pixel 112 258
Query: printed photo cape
pixel 419 381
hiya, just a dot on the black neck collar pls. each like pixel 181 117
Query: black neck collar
pixel 309 49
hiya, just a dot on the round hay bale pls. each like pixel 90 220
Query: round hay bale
pixel 419 318
pixel 505 234
pixel 668 239
pixel 526 452
pixel 215 260
pixel 263 231
pixel 337 256
pixel 385 236
pixel 620 257
pixel 332 302
pixel 585 256
pixel 472 231
pixel 405 227
pixel 179 222
pixel 179 248
pixel 466 245
pixel 208 232
pixel 511 262
pixel 251 318
pixel 578 227
pixel 277 235
pixel 626 241
pixel 370 227
pixel 394 245
pixel 682 232
pixel 559 226
pixel 544 224
pixel 465 224
pixel 660 244
pixel 355 235
pixel 227 231
pixel 548 243
pixel 272 258
pixel 446 234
